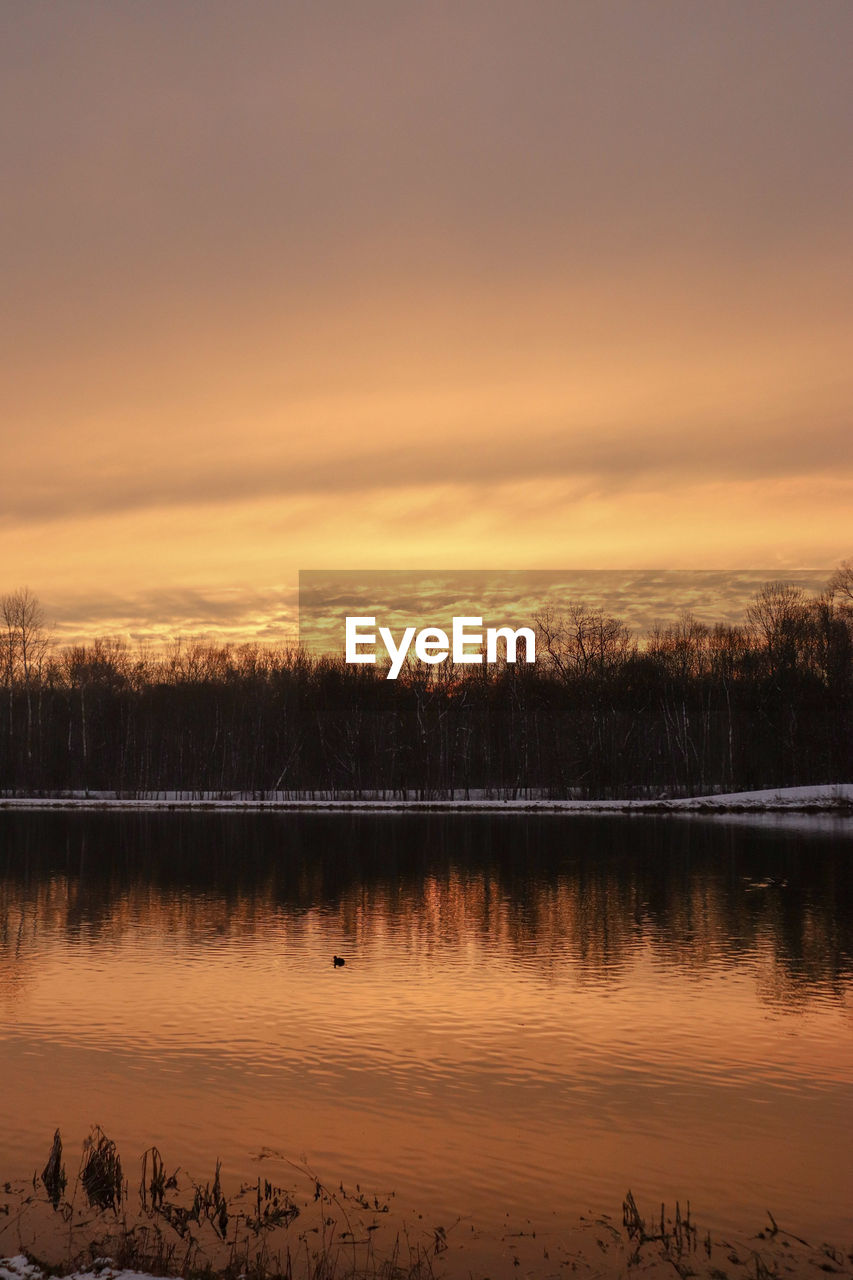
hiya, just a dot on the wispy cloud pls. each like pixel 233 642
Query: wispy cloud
pixel 590 460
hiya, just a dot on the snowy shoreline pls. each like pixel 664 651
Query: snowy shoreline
pixel 824 799
pixel 19 1267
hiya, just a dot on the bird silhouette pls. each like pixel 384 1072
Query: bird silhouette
pixel 337 961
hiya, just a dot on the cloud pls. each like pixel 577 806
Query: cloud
pixel 641 598
pixel 592 461
pixel 155 614
pixel 366 281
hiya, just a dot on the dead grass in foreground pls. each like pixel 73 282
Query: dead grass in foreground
pixel 170 1225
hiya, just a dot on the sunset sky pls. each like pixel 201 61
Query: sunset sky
pixel 386 285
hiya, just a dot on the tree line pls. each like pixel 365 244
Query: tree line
pixel 691 709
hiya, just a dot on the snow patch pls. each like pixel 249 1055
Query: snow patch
pixel 826 798
pixel 19 1268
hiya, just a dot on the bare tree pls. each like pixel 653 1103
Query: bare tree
pixel 682 647
pixel 778 616
pixel 840 585
pixel 25 646
pixel 9 655
pixel 583 640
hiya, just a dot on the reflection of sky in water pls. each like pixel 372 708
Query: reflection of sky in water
pixel 641 598
pixel 542 1012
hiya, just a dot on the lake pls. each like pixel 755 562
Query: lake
pixel 535 1014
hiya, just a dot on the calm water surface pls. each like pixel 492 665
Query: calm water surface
pixel 535 1014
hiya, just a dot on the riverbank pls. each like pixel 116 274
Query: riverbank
pixel 830 798
pixel 308 1230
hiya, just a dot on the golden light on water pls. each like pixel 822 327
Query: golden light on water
pixel 530 1013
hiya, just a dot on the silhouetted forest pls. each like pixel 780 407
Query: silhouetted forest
pixel 688 710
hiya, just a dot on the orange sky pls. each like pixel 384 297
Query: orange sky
pixel 392 286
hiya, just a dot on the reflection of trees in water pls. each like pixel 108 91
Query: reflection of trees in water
pixel 17 931
pixel 546 892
